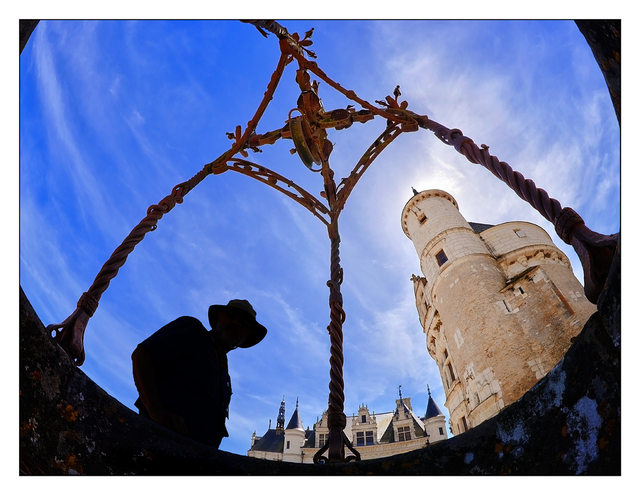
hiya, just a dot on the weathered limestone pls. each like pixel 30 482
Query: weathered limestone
pixel 499 305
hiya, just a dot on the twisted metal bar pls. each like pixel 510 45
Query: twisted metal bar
pixel 70 333
pixel 337 420
pixel 269 25
pixel 71 337
pixel 594 250
pixel 336 416
pixel 281 33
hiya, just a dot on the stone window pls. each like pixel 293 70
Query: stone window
pixel 441 431
pixel 368 437
pixel 364 418
pixel 404 433
pixel 322 439
pixel 422 218
pixel 364 438
pixel 288 444
pixel 441 258
pixel 451 375
pixel 465 426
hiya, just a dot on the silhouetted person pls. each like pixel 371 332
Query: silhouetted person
pixel 181 370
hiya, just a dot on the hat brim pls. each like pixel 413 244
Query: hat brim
pixel 258 332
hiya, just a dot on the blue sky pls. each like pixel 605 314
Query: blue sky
pixel 114 114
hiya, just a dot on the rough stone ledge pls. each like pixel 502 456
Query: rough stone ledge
pixel 569 423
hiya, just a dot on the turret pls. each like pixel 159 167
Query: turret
pixel 294 438
pixel 499 304
pixel 434 421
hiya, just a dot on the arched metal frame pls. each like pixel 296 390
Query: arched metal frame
pixel 308 132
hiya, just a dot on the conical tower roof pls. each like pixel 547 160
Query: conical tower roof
pixel 432 408
pixel 295 423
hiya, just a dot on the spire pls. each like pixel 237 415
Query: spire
pixel 280 420
pixel 401 402
pixel 415 193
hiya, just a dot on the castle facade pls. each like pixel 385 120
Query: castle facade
pixel 373 435
pixel 499 305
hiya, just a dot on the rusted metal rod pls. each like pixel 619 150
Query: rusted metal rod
pixel 594 250
pixel 308 132
pixel 70 333
pixel 273 179
pixel 336 418
pixel 346 185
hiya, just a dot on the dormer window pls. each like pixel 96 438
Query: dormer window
pixel 368 437
pixel 364 438
pixel 364 418
pixel 404 433
pixel 519 233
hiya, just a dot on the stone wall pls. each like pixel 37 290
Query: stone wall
pixel 568 423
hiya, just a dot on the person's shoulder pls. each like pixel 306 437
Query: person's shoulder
pixel 186 322
pixel 180 327
pixel 175 338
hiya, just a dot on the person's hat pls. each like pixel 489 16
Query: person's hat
pixel 258 332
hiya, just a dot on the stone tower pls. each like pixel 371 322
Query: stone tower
pixel 499 305
pixel 294 438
